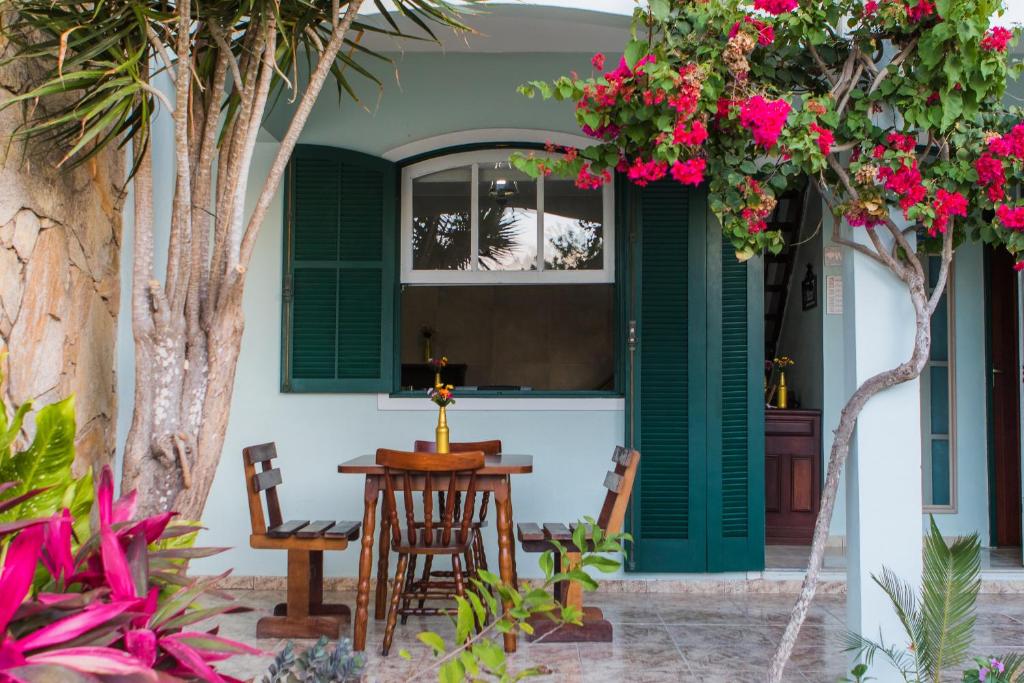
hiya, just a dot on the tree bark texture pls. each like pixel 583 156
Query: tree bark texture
pixel 924 305
pixel 188 327
pixel 60 243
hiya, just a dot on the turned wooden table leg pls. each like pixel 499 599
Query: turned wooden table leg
pixel 505 553
pixel 574 589
pixel 383 551
pixel 365 564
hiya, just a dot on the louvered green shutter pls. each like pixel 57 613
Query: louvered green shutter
pixel 695 409
pixel 735 410
pixel 668 521
pixel 338 271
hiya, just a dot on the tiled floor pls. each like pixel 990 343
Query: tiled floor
pixel 795 557
pixel 658 637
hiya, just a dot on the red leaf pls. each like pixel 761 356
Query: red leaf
pixel 190 659
pixel 71 627
pixel 19 569
pixel 115 566
pixel 94 660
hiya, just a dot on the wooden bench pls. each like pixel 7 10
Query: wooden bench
pixel 536 538
pixel 304 615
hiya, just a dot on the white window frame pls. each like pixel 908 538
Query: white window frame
pixel 926 408
pixel 474 275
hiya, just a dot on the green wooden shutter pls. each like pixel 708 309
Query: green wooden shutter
pixel 668 400
pixel 735 410
pixel 339 273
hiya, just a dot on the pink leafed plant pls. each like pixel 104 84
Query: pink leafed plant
pixel 119 606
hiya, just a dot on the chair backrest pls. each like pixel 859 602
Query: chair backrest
pixel 619 483
pixel 440 472
pixel 492 447
pixel 264 481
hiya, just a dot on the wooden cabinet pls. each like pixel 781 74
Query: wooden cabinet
pixel 792 477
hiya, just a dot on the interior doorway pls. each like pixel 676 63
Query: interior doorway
pixel 1004 399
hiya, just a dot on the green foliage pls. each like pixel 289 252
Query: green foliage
pixel 857 75
pixel 45 465
pixel 939 619
pixel 100 57
pixel 492 608
pixel 318 664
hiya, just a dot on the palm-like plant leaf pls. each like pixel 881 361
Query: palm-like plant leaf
pixel 952 578
pixel 866 649
pixel 101 57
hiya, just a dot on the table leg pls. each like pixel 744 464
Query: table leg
pixel 505 552
pixel 508 502
pixel 383 551
pixel 365 564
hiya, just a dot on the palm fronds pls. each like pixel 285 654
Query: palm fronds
pixel 938 620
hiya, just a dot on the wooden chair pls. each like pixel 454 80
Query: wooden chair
pixel 452 533
pixel 535 539
pixel 492 447
pixel 304 615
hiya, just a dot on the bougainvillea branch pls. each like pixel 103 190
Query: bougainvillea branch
pixel 892 109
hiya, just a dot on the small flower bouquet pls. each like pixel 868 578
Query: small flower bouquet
pixel 783 362
pixel 442 395
pixel 438 363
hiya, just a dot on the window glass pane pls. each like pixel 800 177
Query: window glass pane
pixel 940 331
pixel 939 388
pixel 508 218
pixel 441 220
pixel 940 493
pixel 573 227
pixel 553 337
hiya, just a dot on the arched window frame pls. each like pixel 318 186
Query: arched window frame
pixel 475 275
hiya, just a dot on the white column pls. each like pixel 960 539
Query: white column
pixel 883 483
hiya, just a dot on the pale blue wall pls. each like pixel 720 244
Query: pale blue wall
pixel 971 442
pixel 315 432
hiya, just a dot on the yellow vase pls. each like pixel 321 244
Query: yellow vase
pixel 441 433
pixel 783 400
pixel 437 378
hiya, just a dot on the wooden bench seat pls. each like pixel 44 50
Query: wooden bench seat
pixel 304 614
pixel 537 538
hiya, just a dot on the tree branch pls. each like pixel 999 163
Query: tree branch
pixel 222 43
pixel 291 136
pixel 897 60
pixel 181 215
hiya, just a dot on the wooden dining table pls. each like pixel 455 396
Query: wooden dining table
pixel 495 477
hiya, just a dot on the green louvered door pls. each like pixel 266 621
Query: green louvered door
pixel 339 271
pixel 694 409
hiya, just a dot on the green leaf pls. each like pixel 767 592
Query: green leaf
pixel 46 463
pixel 635 49
pixel 660 9
pixel 452 671
pixel 433 641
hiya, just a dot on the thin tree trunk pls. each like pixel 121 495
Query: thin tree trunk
pixel 905 372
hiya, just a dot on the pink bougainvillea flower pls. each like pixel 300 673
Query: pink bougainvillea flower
pixel 643 172
pixel 765 119
pixel 905 181
pixel 997 39
pixel 870 7
pixel 922 9
pixel 597 61
pixel 991 175
pixel 695 135
pixel 825 138
pixel 776 7
pixel 586 180
pixel 765 32
pixel 904 143
pixel 1012 217
pixel 689 172
pixel 946 204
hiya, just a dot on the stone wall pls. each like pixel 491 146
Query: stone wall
pixel 60 237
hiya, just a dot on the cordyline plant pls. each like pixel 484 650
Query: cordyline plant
pixel 117 606
pixel 892 108
pixel 214 68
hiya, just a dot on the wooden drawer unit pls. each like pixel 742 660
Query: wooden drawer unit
pixel 792 462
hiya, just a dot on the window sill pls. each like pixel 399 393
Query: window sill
pixel 508 401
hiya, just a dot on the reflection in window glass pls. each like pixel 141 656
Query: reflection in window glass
pixel 441 220
pixel 508 219
pixel 573 230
